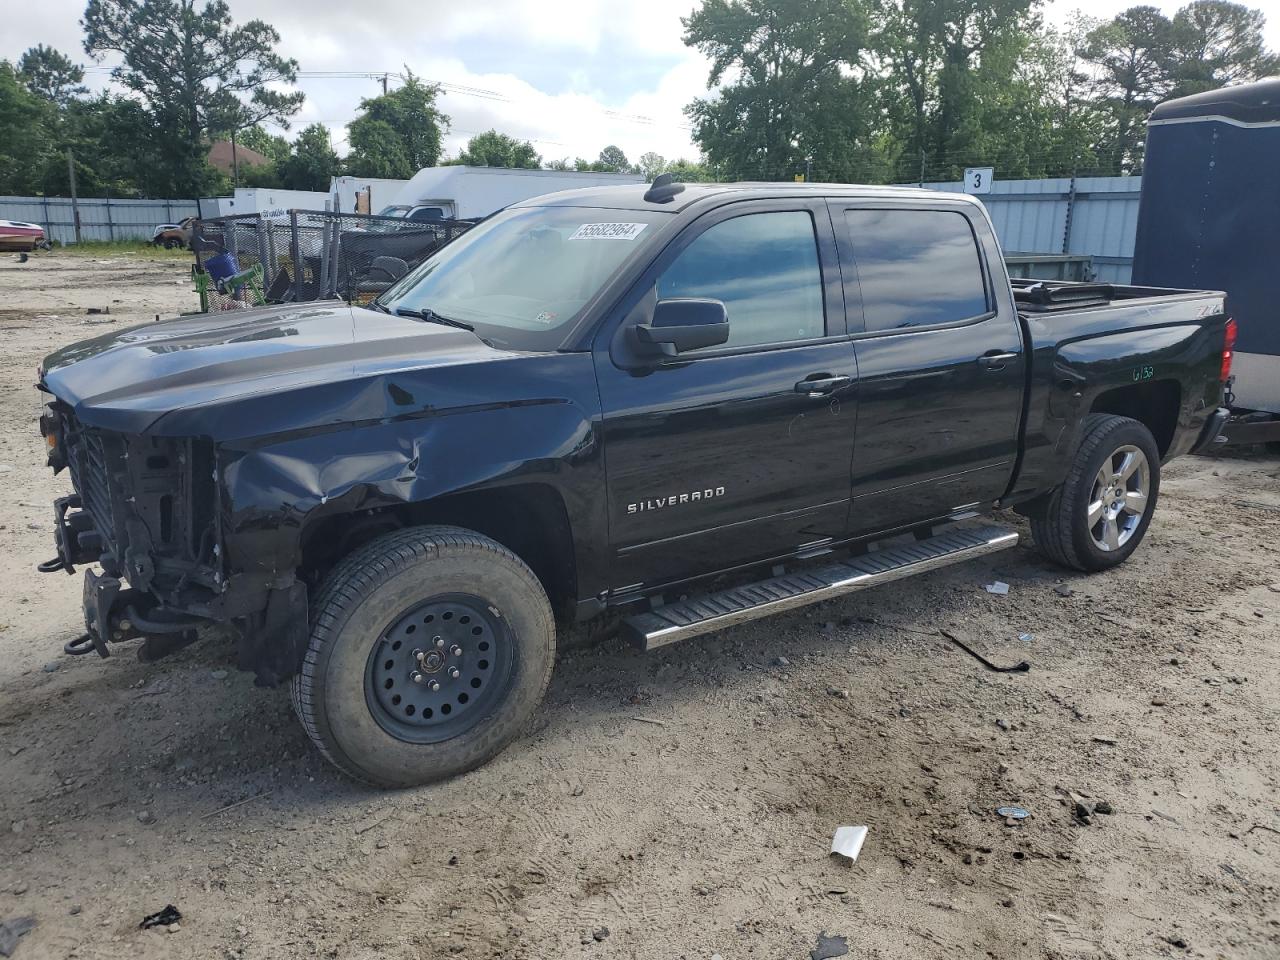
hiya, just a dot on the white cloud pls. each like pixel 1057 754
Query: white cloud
pixel 569 46
pixel 572 76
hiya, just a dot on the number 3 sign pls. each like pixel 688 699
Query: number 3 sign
pixel 978 179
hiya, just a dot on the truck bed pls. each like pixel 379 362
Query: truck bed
pixel 1056 296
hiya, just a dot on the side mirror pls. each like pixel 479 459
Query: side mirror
pixel 686 324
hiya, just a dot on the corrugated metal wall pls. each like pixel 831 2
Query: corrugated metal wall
pixel 1030 216
pixel 100 219
pixel 1033 216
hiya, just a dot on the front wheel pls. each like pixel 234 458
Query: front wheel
pixel 430 649
pixel 1097 518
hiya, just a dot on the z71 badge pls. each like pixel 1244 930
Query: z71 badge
pixel 673 499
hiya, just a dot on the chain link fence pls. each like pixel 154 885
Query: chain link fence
pixel 248 260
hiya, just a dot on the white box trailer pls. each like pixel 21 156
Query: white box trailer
pixel 465 193
pixel 364 194
pixel 264 200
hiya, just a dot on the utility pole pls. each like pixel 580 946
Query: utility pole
pixel 384 84
pixel 1071 206
pixel 235 161
pixel 922 166
pixel 75 206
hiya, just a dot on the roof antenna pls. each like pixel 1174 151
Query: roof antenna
pixel 663 189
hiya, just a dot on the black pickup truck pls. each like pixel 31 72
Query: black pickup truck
pixel 591 405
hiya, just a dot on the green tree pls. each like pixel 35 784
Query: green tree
pixel 273 146
pixel 377 150
pixel 651 164
pixel 52 75
pixel 947 70
pixel 113 142
pixel 1131 55
pixel 1026 117
pixel 796 95
pixel 195 71
pixel 689 171
pixel 1215 43
pixel 26 137
pixel 398 133
pixel 494 149
pixel 612 159
pixel 311 163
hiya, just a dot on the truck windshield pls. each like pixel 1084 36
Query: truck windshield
pixel 524 275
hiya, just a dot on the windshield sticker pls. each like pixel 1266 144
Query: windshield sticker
pixel 608 231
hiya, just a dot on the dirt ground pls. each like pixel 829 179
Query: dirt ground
pixel 678 804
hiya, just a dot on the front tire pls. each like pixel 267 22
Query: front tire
pixel 430 649
pixel 1100 515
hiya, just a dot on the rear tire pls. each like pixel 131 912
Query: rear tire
pixel 1100 515
pixel 430 649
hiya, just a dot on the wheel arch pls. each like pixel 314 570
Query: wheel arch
pixel 530 519
pixel 1155 404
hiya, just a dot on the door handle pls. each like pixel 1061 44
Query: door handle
pixel 821 384
pixel 996 361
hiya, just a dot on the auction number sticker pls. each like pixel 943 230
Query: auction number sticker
pixel 608 231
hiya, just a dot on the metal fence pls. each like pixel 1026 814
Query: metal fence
pixel 307 255
pixel 100 218
pixel 1093 216
pixel 1089 216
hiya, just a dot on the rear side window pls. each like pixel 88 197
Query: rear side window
pixel 916 268
pixel 764 267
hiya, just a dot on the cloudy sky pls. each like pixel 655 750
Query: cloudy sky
pixel 570 75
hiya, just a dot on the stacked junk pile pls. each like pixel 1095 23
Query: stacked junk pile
pixel 253 259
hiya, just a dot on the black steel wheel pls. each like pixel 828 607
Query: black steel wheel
pixel 430 649
pixel 438 669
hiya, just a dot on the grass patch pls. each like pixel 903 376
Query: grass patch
pixel 134 249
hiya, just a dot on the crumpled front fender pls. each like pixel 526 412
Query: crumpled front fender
pixel 272 493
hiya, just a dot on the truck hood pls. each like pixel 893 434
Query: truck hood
pixel 309 356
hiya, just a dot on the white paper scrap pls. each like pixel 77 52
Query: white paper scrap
pixel 848 841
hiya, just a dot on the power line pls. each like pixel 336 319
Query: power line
pixel 455 88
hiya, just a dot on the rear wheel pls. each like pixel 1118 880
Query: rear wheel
pixel 430 649
pixel 1097 518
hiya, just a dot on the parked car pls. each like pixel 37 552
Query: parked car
pixel 21 237
pixel 458 192
pixel 594 403
pixel 171 236
pixel 157 235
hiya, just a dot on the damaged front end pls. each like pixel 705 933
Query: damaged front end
pixel 142 508
pixel 146 508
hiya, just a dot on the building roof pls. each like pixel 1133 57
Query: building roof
pixel 220 156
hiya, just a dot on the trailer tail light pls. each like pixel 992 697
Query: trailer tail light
pixel 1228 349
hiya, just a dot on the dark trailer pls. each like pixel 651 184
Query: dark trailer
pixel 1210 218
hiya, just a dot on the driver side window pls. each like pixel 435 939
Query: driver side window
pixel 764 268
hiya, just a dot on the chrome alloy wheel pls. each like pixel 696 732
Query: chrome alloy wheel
pixel 1120 496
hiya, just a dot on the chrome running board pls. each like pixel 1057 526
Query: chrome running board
pixel 727 608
